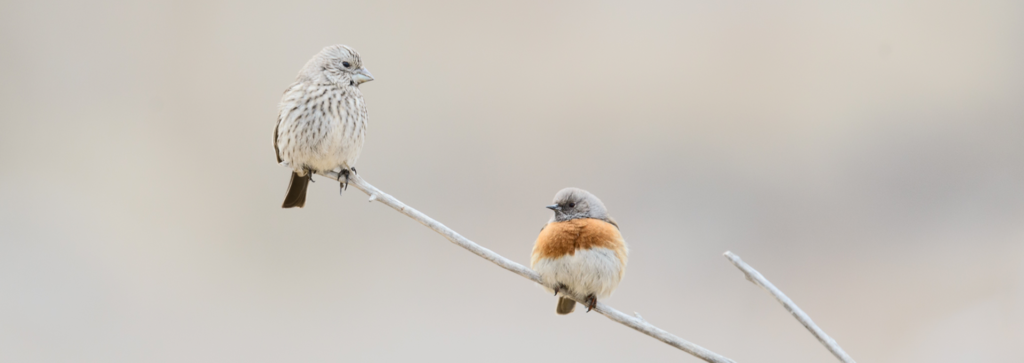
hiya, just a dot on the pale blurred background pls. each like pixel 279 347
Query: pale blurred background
pixel 867 157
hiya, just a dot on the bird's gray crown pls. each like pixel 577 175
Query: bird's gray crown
pixel 574 203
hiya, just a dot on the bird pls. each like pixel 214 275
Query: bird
pixel 321 122
pixel 580 252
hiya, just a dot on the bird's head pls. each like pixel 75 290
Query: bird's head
pixel 337 64
pixel 573 203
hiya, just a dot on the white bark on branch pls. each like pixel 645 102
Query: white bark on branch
pixel 636 323
pixel 800 316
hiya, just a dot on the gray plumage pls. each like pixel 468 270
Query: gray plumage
pixel 321 123
pixel 573 203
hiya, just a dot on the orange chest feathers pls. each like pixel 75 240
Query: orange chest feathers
pixel 558 239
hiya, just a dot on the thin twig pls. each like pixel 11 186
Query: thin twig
pixel 632 322
pixel 800 316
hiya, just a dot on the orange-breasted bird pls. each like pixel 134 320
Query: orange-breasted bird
pixel 580 251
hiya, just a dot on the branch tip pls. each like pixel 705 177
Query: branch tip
pixel 755 277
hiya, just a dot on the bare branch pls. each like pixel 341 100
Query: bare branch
pixel 633 322
pixel 800 316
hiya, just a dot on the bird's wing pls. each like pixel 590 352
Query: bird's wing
pixel 276 151
pixel 535 254
pixel 612 221
pixel 285 108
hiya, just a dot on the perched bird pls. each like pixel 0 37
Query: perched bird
pixel 321 121
pixel 580 251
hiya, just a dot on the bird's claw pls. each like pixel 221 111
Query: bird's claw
pixel 591 303
pixel 560 287
pixel 344 184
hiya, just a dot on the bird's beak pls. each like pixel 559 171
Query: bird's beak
pixel 553 207
pixel 362 75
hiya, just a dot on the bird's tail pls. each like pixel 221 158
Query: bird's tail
pixel 296 191
pixel 565 305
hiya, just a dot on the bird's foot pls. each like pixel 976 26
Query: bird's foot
pixel 559 288
pixel 310 173
pixel 344 173
pixel 591 302
pixel 354 170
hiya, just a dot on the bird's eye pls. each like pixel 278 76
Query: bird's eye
pixel 571 205
pixel 346 64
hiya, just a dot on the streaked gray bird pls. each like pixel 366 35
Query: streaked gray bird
pixel 321 122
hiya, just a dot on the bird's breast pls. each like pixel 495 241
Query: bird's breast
pixel 321 126
pixel 559 239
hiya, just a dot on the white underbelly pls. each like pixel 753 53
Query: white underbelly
pixel 339 152
pixel 595 271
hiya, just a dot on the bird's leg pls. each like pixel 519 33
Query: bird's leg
pixel 344 184
pixel 591 302
pixel 310 172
